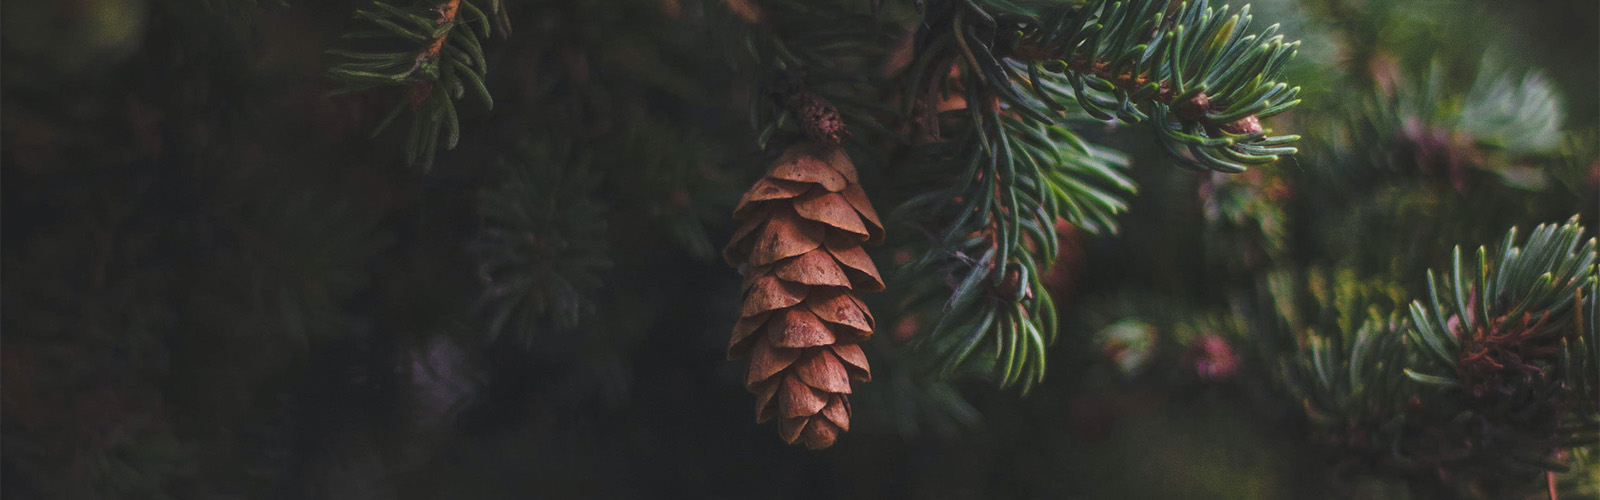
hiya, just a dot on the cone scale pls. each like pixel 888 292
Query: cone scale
pixel 800 323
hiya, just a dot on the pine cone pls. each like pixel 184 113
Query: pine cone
pixel 800 251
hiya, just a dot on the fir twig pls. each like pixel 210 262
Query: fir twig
pixel 445 59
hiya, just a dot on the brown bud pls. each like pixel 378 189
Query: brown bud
pixel 1193 108
pixel 1247 125
pixel 819 121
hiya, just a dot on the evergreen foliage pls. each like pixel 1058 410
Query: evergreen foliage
pixel 440 57
pixel 543 243
pixel 226 276
pixel 1484 384
pixel 1199 77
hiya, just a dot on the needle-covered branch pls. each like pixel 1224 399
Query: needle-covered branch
pixel 1507 310
pixel 1014 179
pixel 434 52
pixel 1017 76
pixel 1195 72
pixel 542 247
pixel 1492 377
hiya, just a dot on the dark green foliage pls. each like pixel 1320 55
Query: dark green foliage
pixel 1487 379
pixel 1511 330
pixel 1349 361
pixel 1427 128
pixel 543 243
pixel 1000 245
pixel 835 50
pixel 1204 79
pixel 1518 115
pixel 434 53
pixel 1027 74
pixel 1527 292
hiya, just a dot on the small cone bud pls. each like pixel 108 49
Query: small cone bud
pixel 819 121
pixel 800 247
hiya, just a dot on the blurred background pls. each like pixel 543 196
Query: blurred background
pixel 218 284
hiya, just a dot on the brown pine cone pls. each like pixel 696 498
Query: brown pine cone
pixel 800 251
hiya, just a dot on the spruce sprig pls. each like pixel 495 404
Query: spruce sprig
pixel 1198 74
pixel 434 51
pixel 1348 364
pixel 542 247
pixel 1492 377
pixel 1026 71
pixel 1526 294
pixel 1000 239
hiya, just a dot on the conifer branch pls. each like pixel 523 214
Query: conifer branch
pixel 1023 73
pixel 444 59
pixel 1202 79
pixel 1493 377
pixel 1491 317
pixel 1350 366
pixel 1424 128
pixel 1196 73
pixel 543 243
